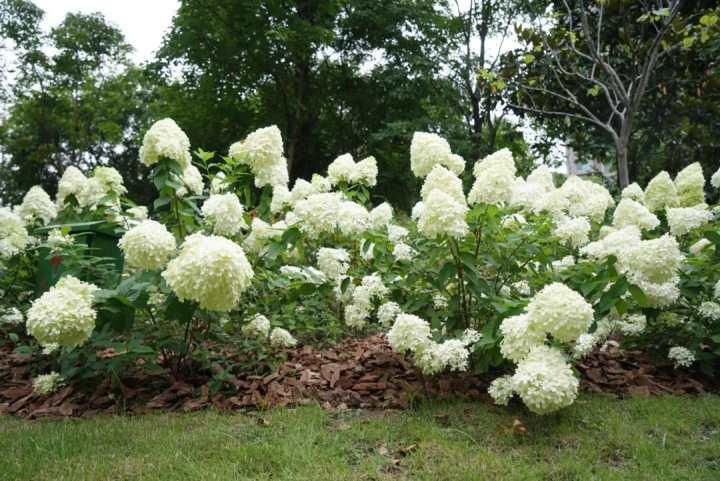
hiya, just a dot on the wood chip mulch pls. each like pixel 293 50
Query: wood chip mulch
pixel 632 372
pixel 357 373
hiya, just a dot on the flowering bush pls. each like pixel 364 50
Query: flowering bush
pixel 519 273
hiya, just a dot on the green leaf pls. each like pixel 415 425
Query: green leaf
pixel 161 202
pixel 594 91
pixel 177 310
pixel 447 271
pixel 291 236
pixel 612 295
pixel 638 295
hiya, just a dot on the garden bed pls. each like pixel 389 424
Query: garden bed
pixel 357 373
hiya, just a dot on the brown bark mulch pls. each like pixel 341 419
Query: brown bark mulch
pixel 357 373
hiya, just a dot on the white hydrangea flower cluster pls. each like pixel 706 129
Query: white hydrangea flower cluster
pixel 210 270
pixel 13 235
pixel 45 384
pixel 165 139
pixel 435 357
pixel 690 186
pixel 526 192
pixel 280 338
pixel 543 378
pixel 352 218
pixel 560 312
pixel 192 181
pixel 627 325
pixel 443 209
pixel 37 205
pixel 11 315
pixel 502 390
pixel 715 179
pixel 92 194
pixel 147 246
pixel 410 333
pixel 334 263
pixel 397 233
pixel 64 314
pixel 660 193
pixel 137 213
pixel 573 230
pixel 57 241
pixel 257 326
pixel 631 212
pixel 103 188
pixel 633 192
pixel 224 214
pixel 681 356
pixel 381 216
pixel 403 252
pixel 562 264
pixel 584 345
pixel 318 213
pixel 576 197
pixel 345 169
pixel 282 197
pixel 652 265
pixel 631 324
pixel 387 312
pixel 586 198
pixel 111 179
pixel 71 183
pixel 710 310
pixel 428 150
pixel 494 179
pixel 545 381
pixel 616 243
pixel 682 220
pixel 262 152
pixel 519 338
pixel 371 289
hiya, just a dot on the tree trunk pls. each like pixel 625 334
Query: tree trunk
pixel 477 126
pixel 622 162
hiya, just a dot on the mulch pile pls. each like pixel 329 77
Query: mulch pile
pixel 357 373
pixel 632 372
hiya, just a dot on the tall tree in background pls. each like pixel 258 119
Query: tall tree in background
pixel 675 122
pixel 334 75
pixel 76 100
pixel 579 69
pixel 482 30
pixel 19 36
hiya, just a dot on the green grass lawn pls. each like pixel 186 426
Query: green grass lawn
pixel 598 438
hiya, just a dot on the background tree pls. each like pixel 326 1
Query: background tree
pixel 482 29
pixel 77 100
pixel 574 57
pixel 335 75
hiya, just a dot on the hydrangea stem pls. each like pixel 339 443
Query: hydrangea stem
pixel 455 251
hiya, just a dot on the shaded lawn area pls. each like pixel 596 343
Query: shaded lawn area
pixel 598 438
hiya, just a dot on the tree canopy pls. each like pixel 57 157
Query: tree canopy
pixel 357 76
